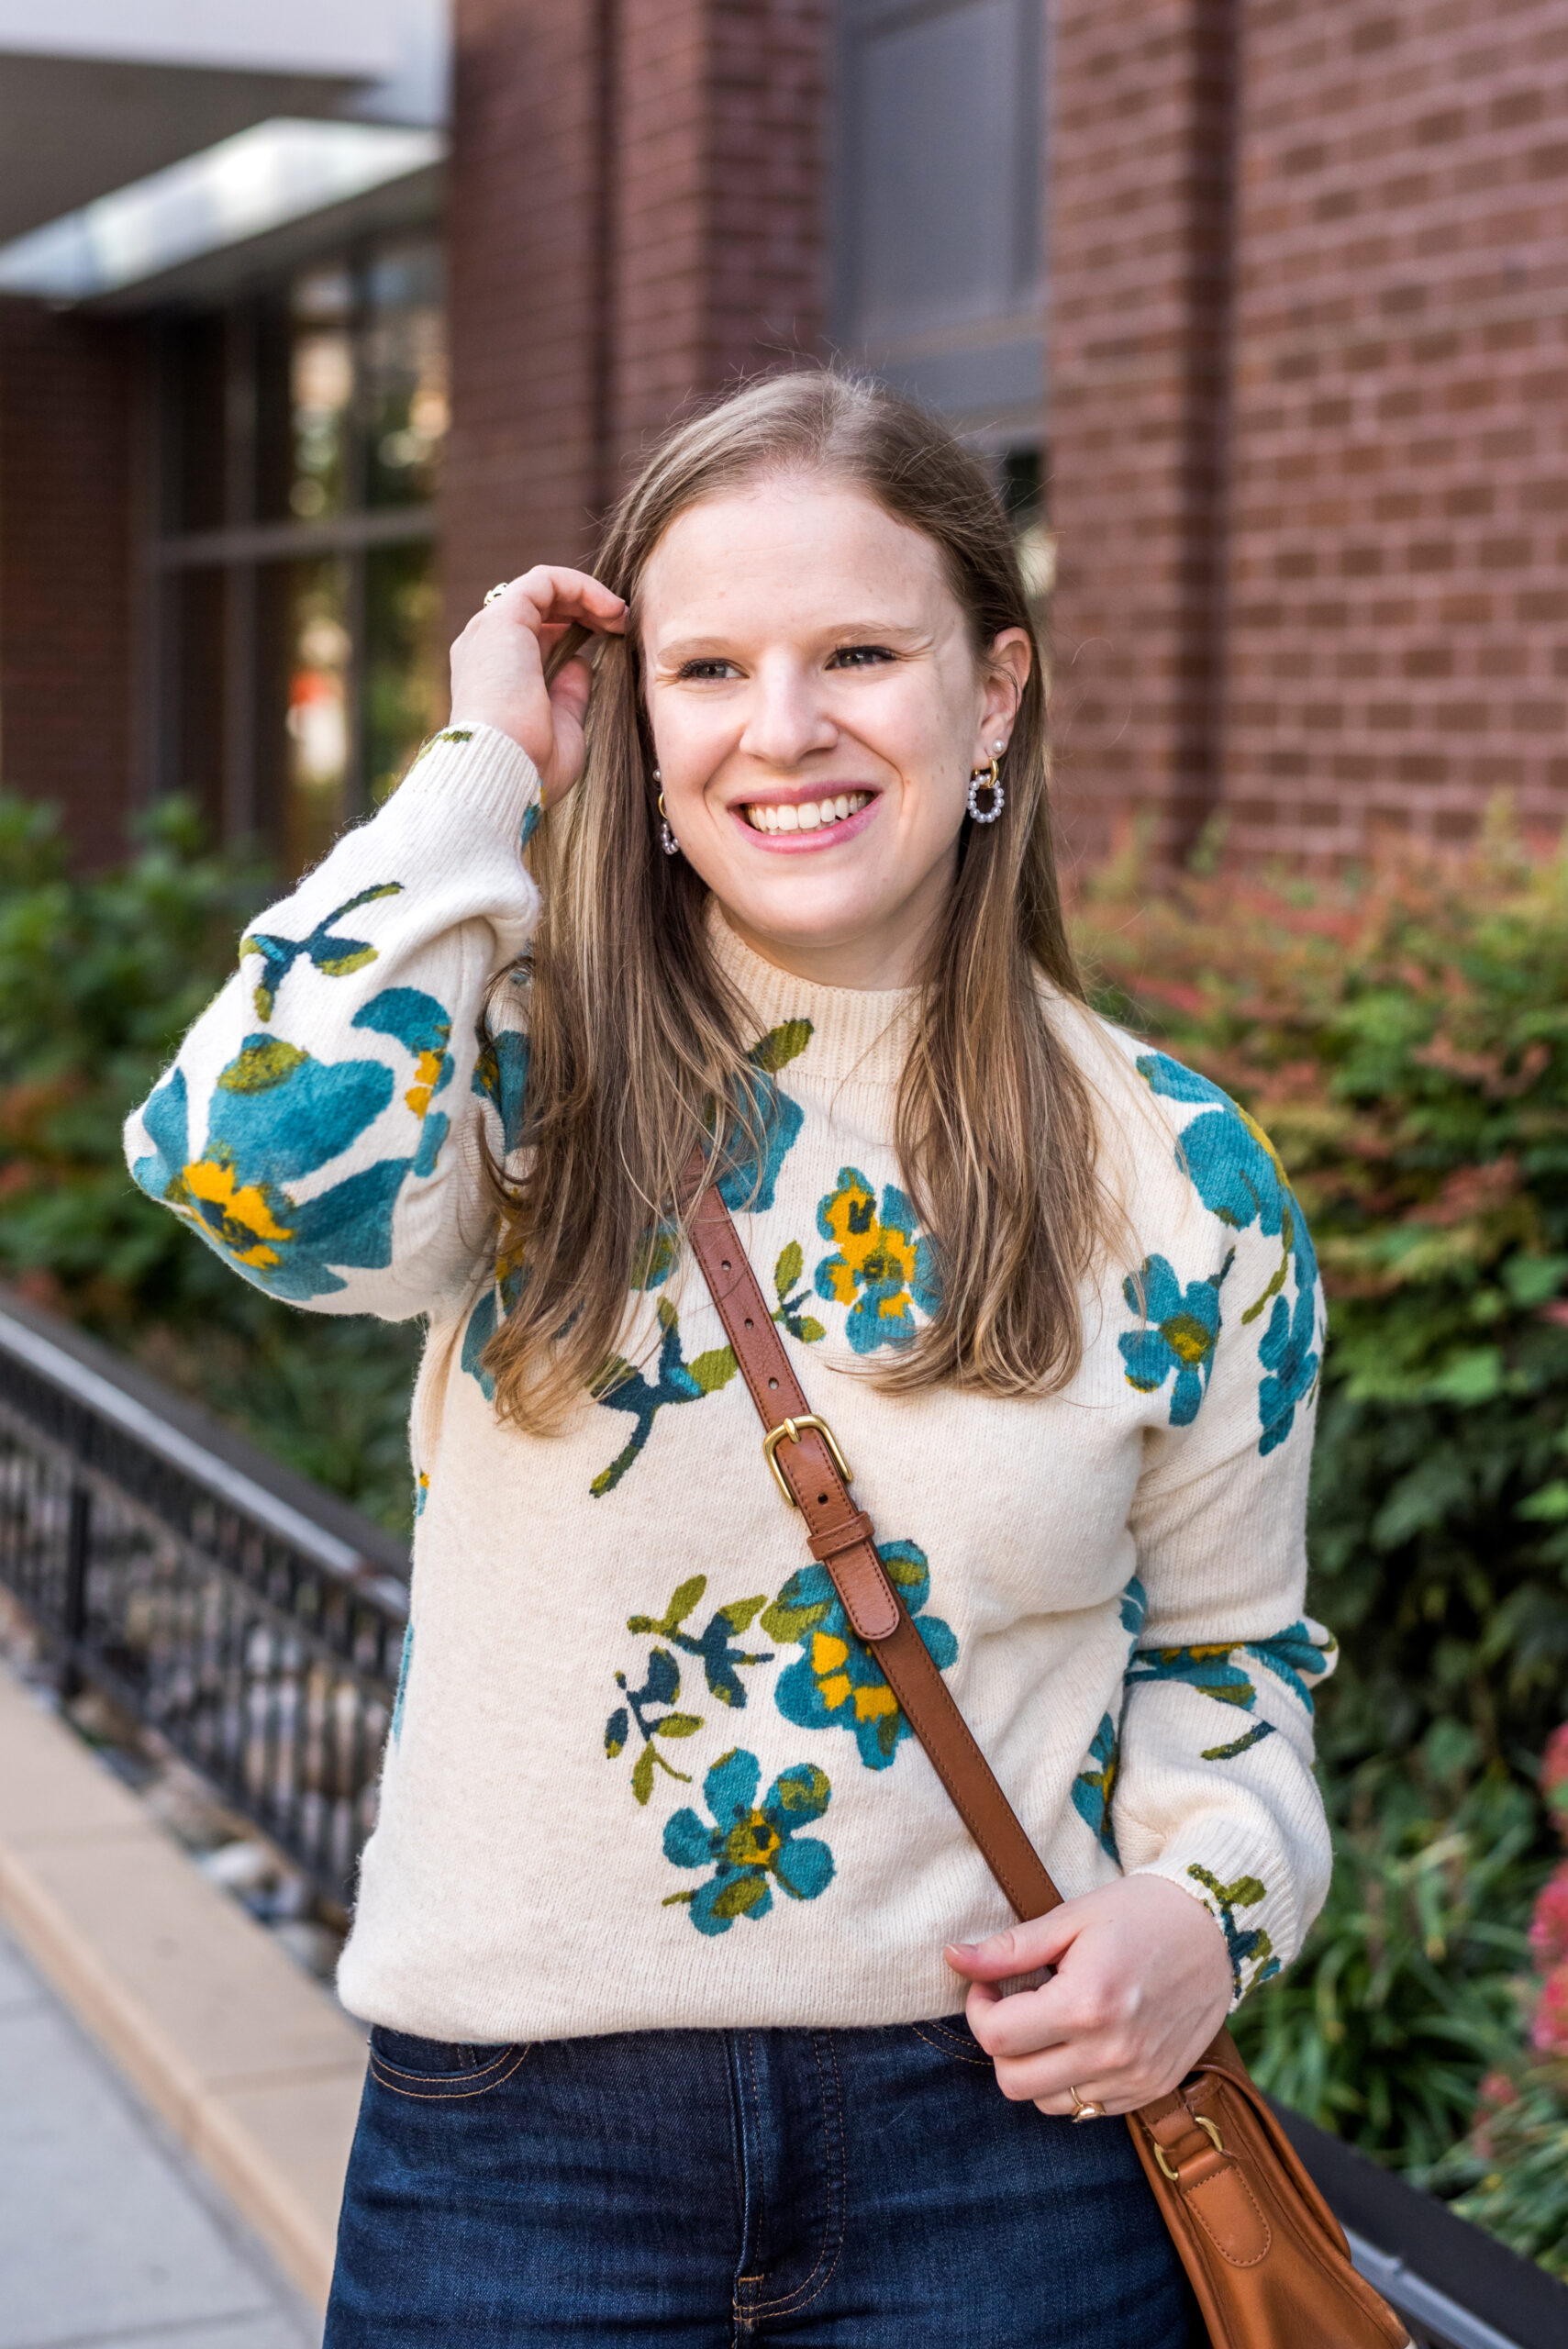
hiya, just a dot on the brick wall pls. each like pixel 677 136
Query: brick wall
pixel 635 216
pixel 525 259
pixel 1139 285
pixel 1399 639
pixel 721 162
pixel 67 435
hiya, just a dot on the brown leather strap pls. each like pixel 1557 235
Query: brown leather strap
pixel 840 1537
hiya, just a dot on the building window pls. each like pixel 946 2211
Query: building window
pixel 295 622
pixel 936 212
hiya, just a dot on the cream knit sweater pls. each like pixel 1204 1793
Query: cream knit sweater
pixel 641 1773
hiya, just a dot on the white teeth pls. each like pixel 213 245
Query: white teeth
pixel 809 816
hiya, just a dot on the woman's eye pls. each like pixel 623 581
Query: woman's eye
pixel 700 672
pixel 860 656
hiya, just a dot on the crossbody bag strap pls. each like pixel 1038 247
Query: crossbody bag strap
pixel 813 1477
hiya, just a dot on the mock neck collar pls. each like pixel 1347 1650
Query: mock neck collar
pixel 859 1035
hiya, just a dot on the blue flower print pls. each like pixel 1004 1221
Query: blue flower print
pixel 275 1116
pixel 1293 1656
pixel 1179 1333
pixel 1093 1789
pixel 404 1661
pixel 475 1338
pixel 335 957
pixel 501 1077
pixel 660 1685
pixel 1234 1167
pixel 622 1386
pixel 1288 1352
pixel 418 1022
pixel 837 1683
pixel 749 1847
pixel 752 1171
pixel 494 1304
pixel 1208 1669
pixel 1248 1947
pixel 1134 1604
pixel 528 826
pixel 1232 1161
pixel 882 1269
pixel 755 1149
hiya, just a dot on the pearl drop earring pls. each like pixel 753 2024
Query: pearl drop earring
pixel 667 840
pixel 985 782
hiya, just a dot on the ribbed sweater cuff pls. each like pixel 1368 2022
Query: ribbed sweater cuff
pixel 476 768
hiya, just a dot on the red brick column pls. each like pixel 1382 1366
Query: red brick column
pixel 1400 608
pixel 525 234
pixel 1141 154
pixel 635 216
pixel 720 190
pixel 67 394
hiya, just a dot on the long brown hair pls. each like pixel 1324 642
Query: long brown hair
pixel 635 1035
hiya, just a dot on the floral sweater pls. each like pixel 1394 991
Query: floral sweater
pixel 640 1772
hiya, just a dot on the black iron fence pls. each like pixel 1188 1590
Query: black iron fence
pixel 251 1620
pixel 257 1624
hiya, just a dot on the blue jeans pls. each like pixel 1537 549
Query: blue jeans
pixel 862 2189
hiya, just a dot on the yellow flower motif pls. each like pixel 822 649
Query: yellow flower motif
pixel 428 1068
pixel 882 1269
pixel 827 1656
pixel 237 1214
pixel 753 1843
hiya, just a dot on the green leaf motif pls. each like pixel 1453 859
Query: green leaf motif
pixel 642 1775
pixel 713 1370
pixel 683 1601
pixel 678 1725
pixel 789 1268
pixel 780 1046
pixel 261 1067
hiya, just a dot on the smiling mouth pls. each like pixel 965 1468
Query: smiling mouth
pixel 807 815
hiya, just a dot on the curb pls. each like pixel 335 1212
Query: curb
pixel 247 2060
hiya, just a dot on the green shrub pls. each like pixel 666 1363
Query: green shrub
pixel 1403 1036
pixel 99 977
pixel 1511 2173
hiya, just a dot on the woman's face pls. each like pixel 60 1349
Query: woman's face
pixel 818 710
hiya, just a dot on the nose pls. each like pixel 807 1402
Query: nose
pixel 787 718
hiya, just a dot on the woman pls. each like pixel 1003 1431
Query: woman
pixel 666 1928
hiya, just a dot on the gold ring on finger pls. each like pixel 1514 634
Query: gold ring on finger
pixel 492 593
pixel 1085 2108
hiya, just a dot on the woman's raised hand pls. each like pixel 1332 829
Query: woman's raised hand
pixel 1142 1982
pixel 498 666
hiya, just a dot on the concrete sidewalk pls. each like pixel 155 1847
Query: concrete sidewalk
pixel 110 2236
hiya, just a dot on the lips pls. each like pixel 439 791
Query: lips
pixel 806 815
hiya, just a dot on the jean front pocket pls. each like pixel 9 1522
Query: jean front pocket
pixel 950 2036
pixel 439 2071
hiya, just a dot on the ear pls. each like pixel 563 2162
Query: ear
pixel 1007 665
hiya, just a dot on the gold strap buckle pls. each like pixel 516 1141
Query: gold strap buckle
pixel 1210 2130
pixel 794 1429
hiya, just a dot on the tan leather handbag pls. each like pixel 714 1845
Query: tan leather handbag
pixel 1262 2251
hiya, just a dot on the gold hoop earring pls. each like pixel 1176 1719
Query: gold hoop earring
pixel 667 840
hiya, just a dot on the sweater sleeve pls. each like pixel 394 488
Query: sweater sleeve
pixel 324 1125
pixel 1213 1786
